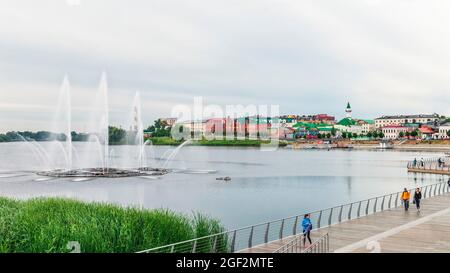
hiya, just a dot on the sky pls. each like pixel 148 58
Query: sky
pixel 384 57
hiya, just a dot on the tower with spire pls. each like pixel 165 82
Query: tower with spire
pixel 348 111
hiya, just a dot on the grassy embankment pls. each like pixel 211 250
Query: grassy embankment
pixel 216 142
pixel 48 224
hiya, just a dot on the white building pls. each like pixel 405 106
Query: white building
pixel 367 126
pixel 197 127
pixel 393 131
pixel 402 119
pixel 443 129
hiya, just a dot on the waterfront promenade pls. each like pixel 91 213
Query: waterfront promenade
pixel 392 230
pixel 430 165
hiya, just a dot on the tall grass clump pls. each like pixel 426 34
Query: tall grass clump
pixel 48 224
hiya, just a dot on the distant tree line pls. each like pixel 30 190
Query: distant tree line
pixel 116 136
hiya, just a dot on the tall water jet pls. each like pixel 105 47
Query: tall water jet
pixel 104 120
pixel 138 128
pixel 62 124
pixel 65 90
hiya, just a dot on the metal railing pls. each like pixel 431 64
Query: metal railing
pixel 431 164
pixel 239 239
pixel 297 245
pixel 322 245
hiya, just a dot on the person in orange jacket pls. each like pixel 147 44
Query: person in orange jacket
pixel 405 198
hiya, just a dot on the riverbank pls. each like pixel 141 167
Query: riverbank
pixel 48 224
pixel 215 142
pixel 400 145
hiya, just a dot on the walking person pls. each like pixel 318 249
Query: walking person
pixel 307 227
pixel 405 199
pixel 422 163
pixel 415 162
pixel 416 198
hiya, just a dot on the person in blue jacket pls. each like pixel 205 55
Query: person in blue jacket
pixel 307 227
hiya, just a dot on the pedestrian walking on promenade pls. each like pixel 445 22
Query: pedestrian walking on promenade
pixel 415 162
pixel 417 197
pixel 448 182
pixel 405 198
pixel 422 163
pixel 439 162
pixel 307 227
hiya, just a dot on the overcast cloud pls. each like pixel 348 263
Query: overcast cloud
pixel 385 57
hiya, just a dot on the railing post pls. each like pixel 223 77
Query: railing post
pixel 350 212
pixel 359 209
pixel 340 213
pixel 233 242
pixel 318 220
pixel 250 238
pixel 375 205
pixel 294 229
pixel 367 207
pixel 214 248
pixel 172 249
pixel 440 186
pixel 390 199
pixel 281 229
pixel 329 218
pixel 382 203
pixel 396 200
pixel 194 247
pixel 266 235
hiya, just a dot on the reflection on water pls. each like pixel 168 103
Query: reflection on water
pixel 264 185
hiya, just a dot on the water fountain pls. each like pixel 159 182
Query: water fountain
pixel 98 140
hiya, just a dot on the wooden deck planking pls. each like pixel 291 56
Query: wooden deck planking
pixel 431 236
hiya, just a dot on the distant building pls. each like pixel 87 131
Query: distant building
pixel 351 125
pixel 319 118
pixel 428 132
pixel 393 131
pixel 196 128
pixel 367 125
pixel 348 111
pixel 287 121
pixel 443 129
pixel 402 119
pixel 169 121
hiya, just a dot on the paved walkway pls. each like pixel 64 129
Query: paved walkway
pixel 388 231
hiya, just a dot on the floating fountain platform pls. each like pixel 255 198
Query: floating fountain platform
pixel 107 173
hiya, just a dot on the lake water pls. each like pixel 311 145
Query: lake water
pixel 265 185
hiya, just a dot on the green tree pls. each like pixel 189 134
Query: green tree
pixel 401 134
pixel 448 133
pixel 414 133
pixel 354 135
pixel 381 135
pixel 117 135
pixel 159 129
pixel 344 134
pixel 328 135
pixel 369 134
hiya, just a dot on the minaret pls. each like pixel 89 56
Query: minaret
pixel 348 111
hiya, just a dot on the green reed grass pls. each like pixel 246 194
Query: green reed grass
pixel 48 224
